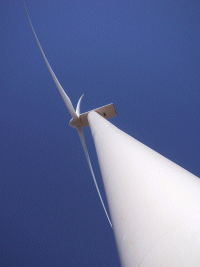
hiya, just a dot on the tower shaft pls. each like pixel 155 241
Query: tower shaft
pixel 153 202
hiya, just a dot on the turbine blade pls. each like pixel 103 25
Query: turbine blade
pixel 78 107
pixel 61 90
pixel 81 135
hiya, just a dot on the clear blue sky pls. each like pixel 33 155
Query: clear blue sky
pixel 144 56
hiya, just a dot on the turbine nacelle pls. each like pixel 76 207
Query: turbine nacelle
pixel 81 120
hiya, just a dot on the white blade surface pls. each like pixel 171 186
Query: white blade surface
pixel 78 107
pixel 61 90
pixel 75 114
pixel 81 135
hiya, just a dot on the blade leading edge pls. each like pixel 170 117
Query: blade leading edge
pixel 61 90
pixel 81 135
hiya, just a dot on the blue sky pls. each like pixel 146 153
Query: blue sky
pixel 144 57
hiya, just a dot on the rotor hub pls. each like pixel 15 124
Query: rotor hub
pixel 75 123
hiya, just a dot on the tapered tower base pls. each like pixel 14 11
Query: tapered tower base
pixel 153 202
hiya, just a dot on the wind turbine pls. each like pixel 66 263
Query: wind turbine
pixel 78 120
pixel 154 203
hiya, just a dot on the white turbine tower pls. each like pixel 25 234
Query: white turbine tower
pixel 78 120
pixel 153 202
